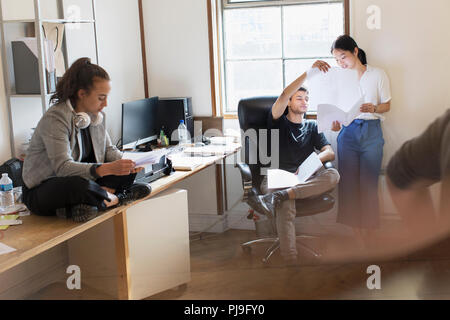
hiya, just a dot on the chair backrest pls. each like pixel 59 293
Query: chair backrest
pixel 253 114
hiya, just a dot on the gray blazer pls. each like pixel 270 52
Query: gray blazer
pixel 55 148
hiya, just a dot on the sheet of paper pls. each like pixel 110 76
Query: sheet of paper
pixel 309 167
pixel 144 158
pixel 4 249
pixel 338 87
pixel 354 112
pixel 277 179
pixel 327 113
pixel 280 179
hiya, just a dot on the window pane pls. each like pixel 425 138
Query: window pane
pixel 246 79
pixel 238 1
pixel 252 33
pixel 295 68
pixel 309 30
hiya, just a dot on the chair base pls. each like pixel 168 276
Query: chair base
pixel 247 246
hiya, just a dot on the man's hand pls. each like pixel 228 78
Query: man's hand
pixel 120 167
pixel 368 107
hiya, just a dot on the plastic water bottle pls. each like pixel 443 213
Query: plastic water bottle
pixel 6 192
pixel 182 133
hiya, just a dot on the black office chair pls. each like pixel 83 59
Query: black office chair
pixel 253 114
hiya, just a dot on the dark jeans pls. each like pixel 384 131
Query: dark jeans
pixel 360 152
pixel 64 192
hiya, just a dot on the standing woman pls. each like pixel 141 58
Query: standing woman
pixel 360 145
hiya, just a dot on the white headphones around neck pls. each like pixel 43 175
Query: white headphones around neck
pixel 82 120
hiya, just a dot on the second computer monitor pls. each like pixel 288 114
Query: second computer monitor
pixel 139 122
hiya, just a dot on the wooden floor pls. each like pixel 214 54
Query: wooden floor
pixel 221 270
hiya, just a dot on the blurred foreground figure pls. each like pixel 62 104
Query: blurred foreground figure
pixel 420 163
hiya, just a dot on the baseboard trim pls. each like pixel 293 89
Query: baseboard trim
pixel 208 223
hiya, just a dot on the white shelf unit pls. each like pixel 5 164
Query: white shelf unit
pixel 8 63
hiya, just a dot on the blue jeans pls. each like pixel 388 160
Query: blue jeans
pixel 360 152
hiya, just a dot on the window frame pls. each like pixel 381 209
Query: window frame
pixel 217 50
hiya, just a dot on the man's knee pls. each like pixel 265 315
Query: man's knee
pixel 333 177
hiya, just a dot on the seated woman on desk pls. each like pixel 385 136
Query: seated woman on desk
pixel 71 168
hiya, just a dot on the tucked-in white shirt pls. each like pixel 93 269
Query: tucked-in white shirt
pixel 375 88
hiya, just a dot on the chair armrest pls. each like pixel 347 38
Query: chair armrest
pixel 246 176
pixel 328 165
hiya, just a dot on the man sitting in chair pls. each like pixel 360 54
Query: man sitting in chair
pixel 298 138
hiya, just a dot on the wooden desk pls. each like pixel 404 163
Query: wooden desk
pixel 38 234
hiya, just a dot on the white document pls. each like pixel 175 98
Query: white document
pixel 144 158
pixel 277 179
pixel 327 113
pixel 4 249
pixel 338 87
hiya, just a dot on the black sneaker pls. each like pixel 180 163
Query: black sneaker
pixel 78 213
pixel 255 202
pixel 271 201
pixel 135 192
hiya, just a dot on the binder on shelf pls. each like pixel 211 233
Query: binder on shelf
pixel 26 66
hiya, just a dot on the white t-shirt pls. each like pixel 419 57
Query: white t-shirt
pixel 376 89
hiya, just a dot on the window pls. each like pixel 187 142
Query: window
pixel 268 44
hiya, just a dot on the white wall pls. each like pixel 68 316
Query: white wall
pixel 176 35
pixel 413 47
pixel 119 53
pixel 119 45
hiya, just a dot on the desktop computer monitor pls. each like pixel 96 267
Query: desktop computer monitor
pixel 139 122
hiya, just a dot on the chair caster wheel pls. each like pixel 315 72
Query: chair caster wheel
pixel 247 249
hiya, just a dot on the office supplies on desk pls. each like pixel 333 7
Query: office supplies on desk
pixel 210 150
pixel 155 171
pixel 18 207
pixel 184 164
pixel 6 221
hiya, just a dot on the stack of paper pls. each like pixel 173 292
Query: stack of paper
pixel 6 221
pixel 278 179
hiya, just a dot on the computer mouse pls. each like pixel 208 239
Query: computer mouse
pixel 199 144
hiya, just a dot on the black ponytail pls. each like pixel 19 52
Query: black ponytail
pixel 362 56
pixel 347 43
